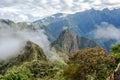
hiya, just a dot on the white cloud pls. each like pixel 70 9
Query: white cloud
pixel 113 1
pixel 34 9
pixel 107 31
pixel 12 41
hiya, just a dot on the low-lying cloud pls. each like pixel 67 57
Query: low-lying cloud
pixel 107 31
pixel 13 40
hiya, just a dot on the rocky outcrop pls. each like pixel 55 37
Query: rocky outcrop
pixel 69 42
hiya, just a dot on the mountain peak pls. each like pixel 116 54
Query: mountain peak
pixel 67 32
pixel 6 21
pixel 30 53
pixel 69 42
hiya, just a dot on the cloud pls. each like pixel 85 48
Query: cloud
pixel 107 31
pixel 13 40
pixel 35 9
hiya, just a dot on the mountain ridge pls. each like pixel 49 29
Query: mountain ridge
pixel 69 42
pixel 82 23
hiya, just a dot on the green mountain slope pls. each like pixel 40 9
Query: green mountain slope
pixel 31 52
pixel 30 60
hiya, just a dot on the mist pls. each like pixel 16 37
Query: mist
pixel 107 31
pixel 13 40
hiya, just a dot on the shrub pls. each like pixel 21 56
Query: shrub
pixel 89 64
pixel 18 73
pixel 115 51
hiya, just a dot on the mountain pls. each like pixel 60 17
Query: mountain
pixel 31 52
pixel 69 42
pixel 82 23
pixel 31 60
pixel 27 25
pixel 6 23
pixel 53 25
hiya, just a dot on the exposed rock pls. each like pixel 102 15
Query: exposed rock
pixel 69 42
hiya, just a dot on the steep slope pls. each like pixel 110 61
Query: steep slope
pixel 69 42
pixel 31 52
pixel 31 60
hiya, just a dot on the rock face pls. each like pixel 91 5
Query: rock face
pixel 69 42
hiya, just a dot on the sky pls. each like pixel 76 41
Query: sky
pixel 30 10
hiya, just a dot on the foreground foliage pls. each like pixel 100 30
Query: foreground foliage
pixel 30 64
pixel 33 64
pixel 115 51
pixel 36 70
pixel 90 64
pixel 17 73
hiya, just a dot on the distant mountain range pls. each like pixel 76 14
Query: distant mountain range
pixel 21 25
pixel 82 23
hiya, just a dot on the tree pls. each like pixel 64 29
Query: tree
pixel 115 51
pixel 90 64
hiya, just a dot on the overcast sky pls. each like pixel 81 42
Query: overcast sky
pixel 29 10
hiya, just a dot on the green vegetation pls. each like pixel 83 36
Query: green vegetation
pixel 90 64
pixel 115 51
pixel 31 64
pixel 35 70
pixel 18 73
pixel 87 64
